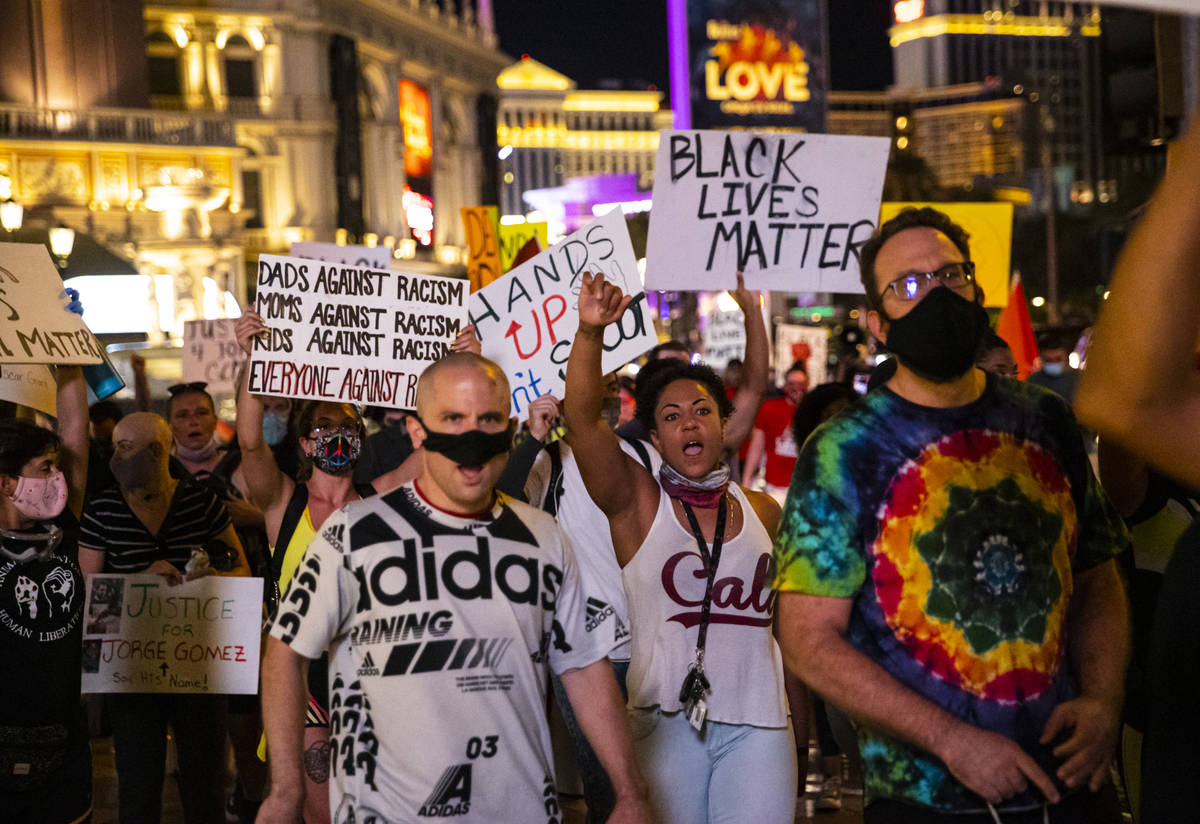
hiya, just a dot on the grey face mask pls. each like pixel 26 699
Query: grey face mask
pixel 610 411
pixel 135 471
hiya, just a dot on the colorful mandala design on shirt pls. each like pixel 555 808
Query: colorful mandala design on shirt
pixel 972 564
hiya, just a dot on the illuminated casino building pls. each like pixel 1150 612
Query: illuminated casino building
pixel 548 131
pixel 179 139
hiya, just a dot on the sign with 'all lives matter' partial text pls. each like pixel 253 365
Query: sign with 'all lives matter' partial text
pixel 789 210
pixel 349 334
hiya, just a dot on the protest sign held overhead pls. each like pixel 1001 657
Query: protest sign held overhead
pixel 211 354
pixel 808 344
pixel 527 319
pixel 483 245
pixel 368 257
pixel 35 326
pixel 142 635
pixel 789 210
pixel 513 238
pixel 349 334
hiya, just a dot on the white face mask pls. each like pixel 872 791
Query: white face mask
pixel 41 499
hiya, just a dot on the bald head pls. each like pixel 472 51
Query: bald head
pixel 143 428
pixel 443 376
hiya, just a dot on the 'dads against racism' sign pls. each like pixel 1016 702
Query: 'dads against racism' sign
pixel 527 319
pixel 351 334
pixel 35 326
pixel 789 210
pixel 142 635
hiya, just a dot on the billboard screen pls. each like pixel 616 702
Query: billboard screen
pixel 757 64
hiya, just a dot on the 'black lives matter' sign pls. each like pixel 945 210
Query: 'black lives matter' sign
pixel 790 210
pixel 35 326
pixel 351 334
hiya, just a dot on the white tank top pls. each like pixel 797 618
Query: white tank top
pixel 664 588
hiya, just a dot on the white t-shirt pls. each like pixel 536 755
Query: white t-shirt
pixel 588 530
pixel 439 630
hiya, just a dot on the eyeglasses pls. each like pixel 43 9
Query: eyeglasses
pixel 180 388
pixel 915 285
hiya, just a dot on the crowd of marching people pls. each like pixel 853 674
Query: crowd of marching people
pixel 935 560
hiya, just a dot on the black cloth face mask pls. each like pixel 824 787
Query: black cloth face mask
pixel 939 338
pixel 474 448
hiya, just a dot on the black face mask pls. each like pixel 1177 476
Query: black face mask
pixel 939 338
pixel 474 448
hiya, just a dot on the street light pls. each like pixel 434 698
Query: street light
pixel 62 241
pixel 11 215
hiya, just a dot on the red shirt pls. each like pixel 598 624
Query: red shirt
pixel 775 421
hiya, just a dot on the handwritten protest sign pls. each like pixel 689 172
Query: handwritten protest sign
pixel 810 344
pixel 724 337
pixel 368 257
pixel 349 334
pixel 790 210
pixel 211 354
pixel 35 326
pixel 142 635
pixel 32 385
pixel 514 237
pixel 989 226
pixel 483 245
pixel 527 319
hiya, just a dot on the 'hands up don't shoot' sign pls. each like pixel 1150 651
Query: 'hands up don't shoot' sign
pixel 527 319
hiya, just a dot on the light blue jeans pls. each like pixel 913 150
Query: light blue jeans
pixel 732 774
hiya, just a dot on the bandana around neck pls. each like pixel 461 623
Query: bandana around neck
pixel 705 493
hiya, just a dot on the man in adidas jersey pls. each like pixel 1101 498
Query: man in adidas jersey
pixel 441 604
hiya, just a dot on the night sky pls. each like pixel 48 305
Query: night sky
pixel 623 43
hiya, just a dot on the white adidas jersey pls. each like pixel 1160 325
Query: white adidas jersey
pixel 439 630
pixel 587 527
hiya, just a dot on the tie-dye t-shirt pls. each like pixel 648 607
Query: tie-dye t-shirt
pixel 957 532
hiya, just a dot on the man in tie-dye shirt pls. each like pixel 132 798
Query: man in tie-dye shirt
pixel 945 566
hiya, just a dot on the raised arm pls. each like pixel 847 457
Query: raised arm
pixel 1141 387
pixel 141 384
pixel 613 479
pixel 756 364
pixel 73 432
pixel 266 485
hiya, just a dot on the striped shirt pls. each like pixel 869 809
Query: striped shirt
pixel 195 518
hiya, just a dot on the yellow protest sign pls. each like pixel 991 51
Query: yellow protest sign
pixel 513 239
pixel 989 226
pixel 483 245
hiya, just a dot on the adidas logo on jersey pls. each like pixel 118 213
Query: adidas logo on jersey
pixel 368 666
pixel 451 796
pixel 621 631
pixel 597 613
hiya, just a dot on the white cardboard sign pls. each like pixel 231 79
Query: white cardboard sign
pixel 35 326
pixel 790 210
pixel 142 635
pixel 351 334
pixel 794 342
pixel 527 319
pixel 368 257
pixel 211 354
pixel 1177 6
pixel 32 385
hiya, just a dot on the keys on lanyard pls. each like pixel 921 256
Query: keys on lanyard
pixel 696 687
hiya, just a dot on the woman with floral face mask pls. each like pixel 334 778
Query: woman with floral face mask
pixel 45 762
pixel 330 439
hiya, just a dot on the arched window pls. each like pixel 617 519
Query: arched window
pixel 240 71
pixel 163 65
